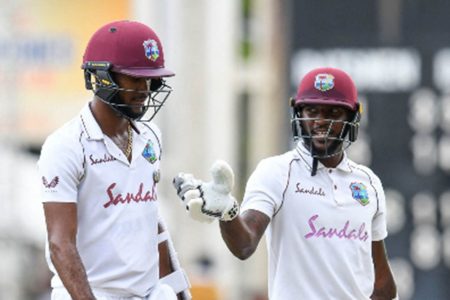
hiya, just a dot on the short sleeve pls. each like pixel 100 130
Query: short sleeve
pixel 379 227
pixel 60 168
pixel 264 190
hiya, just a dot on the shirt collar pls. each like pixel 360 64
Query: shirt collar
pixel 91 127
pixel 305 155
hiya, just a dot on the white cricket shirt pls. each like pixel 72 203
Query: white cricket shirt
pixel 116 202
pixel 321 231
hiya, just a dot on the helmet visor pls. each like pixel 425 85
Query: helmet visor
pixel 144 72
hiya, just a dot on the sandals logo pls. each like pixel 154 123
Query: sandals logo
pixel 309 190
pixel 345 231
pixel 100 160
pixel 116 197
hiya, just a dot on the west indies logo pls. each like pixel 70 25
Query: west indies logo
pixel 359 192
pixel 151 49
pixel 149 152
pixel 324 82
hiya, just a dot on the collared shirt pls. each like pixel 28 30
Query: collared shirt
pixel 321 231
pixel 116 202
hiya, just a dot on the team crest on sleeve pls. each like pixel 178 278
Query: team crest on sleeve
pixel 359 193
pixel 324 82
pixel 149 152
pixel 151 49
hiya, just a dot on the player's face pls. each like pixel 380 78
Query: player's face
pixel 324 124
pixel 135 94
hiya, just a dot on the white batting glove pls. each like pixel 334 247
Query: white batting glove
pixel 188 189
pixel 185 182
pixel 211 200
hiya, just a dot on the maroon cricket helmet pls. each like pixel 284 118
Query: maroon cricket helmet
pixel 132 48
pixel 326 86
pixel 329 86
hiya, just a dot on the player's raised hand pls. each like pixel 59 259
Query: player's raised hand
pixel 211 200
pixel 218 202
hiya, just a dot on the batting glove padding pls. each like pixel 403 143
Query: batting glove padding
pixel 211 200
pixel 184 182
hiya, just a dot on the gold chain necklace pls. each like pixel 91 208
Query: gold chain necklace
pixel 130 142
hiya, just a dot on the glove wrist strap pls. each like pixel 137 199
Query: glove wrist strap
pixel 231 213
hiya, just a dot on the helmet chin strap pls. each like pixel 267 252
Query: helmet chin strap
pixel 309 145
pixel 315 164
pixel 316 156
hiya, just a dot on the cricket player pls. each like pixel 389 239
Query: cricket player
pixel 323 214
pixel 100 172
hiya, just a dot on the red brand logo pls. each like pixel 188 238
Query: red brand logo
pixel 53 183
pixel 139 196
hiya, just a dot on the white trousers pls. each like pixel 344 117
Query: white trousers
pixel 160 292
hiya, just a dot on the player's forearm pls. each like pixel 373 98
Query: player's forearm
pixel 388 291
pixel 384 288
pixel 243 234
pixel 70 269
pixel 165 266
pixel 382 296
pixel 238 238
pixel 384 285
